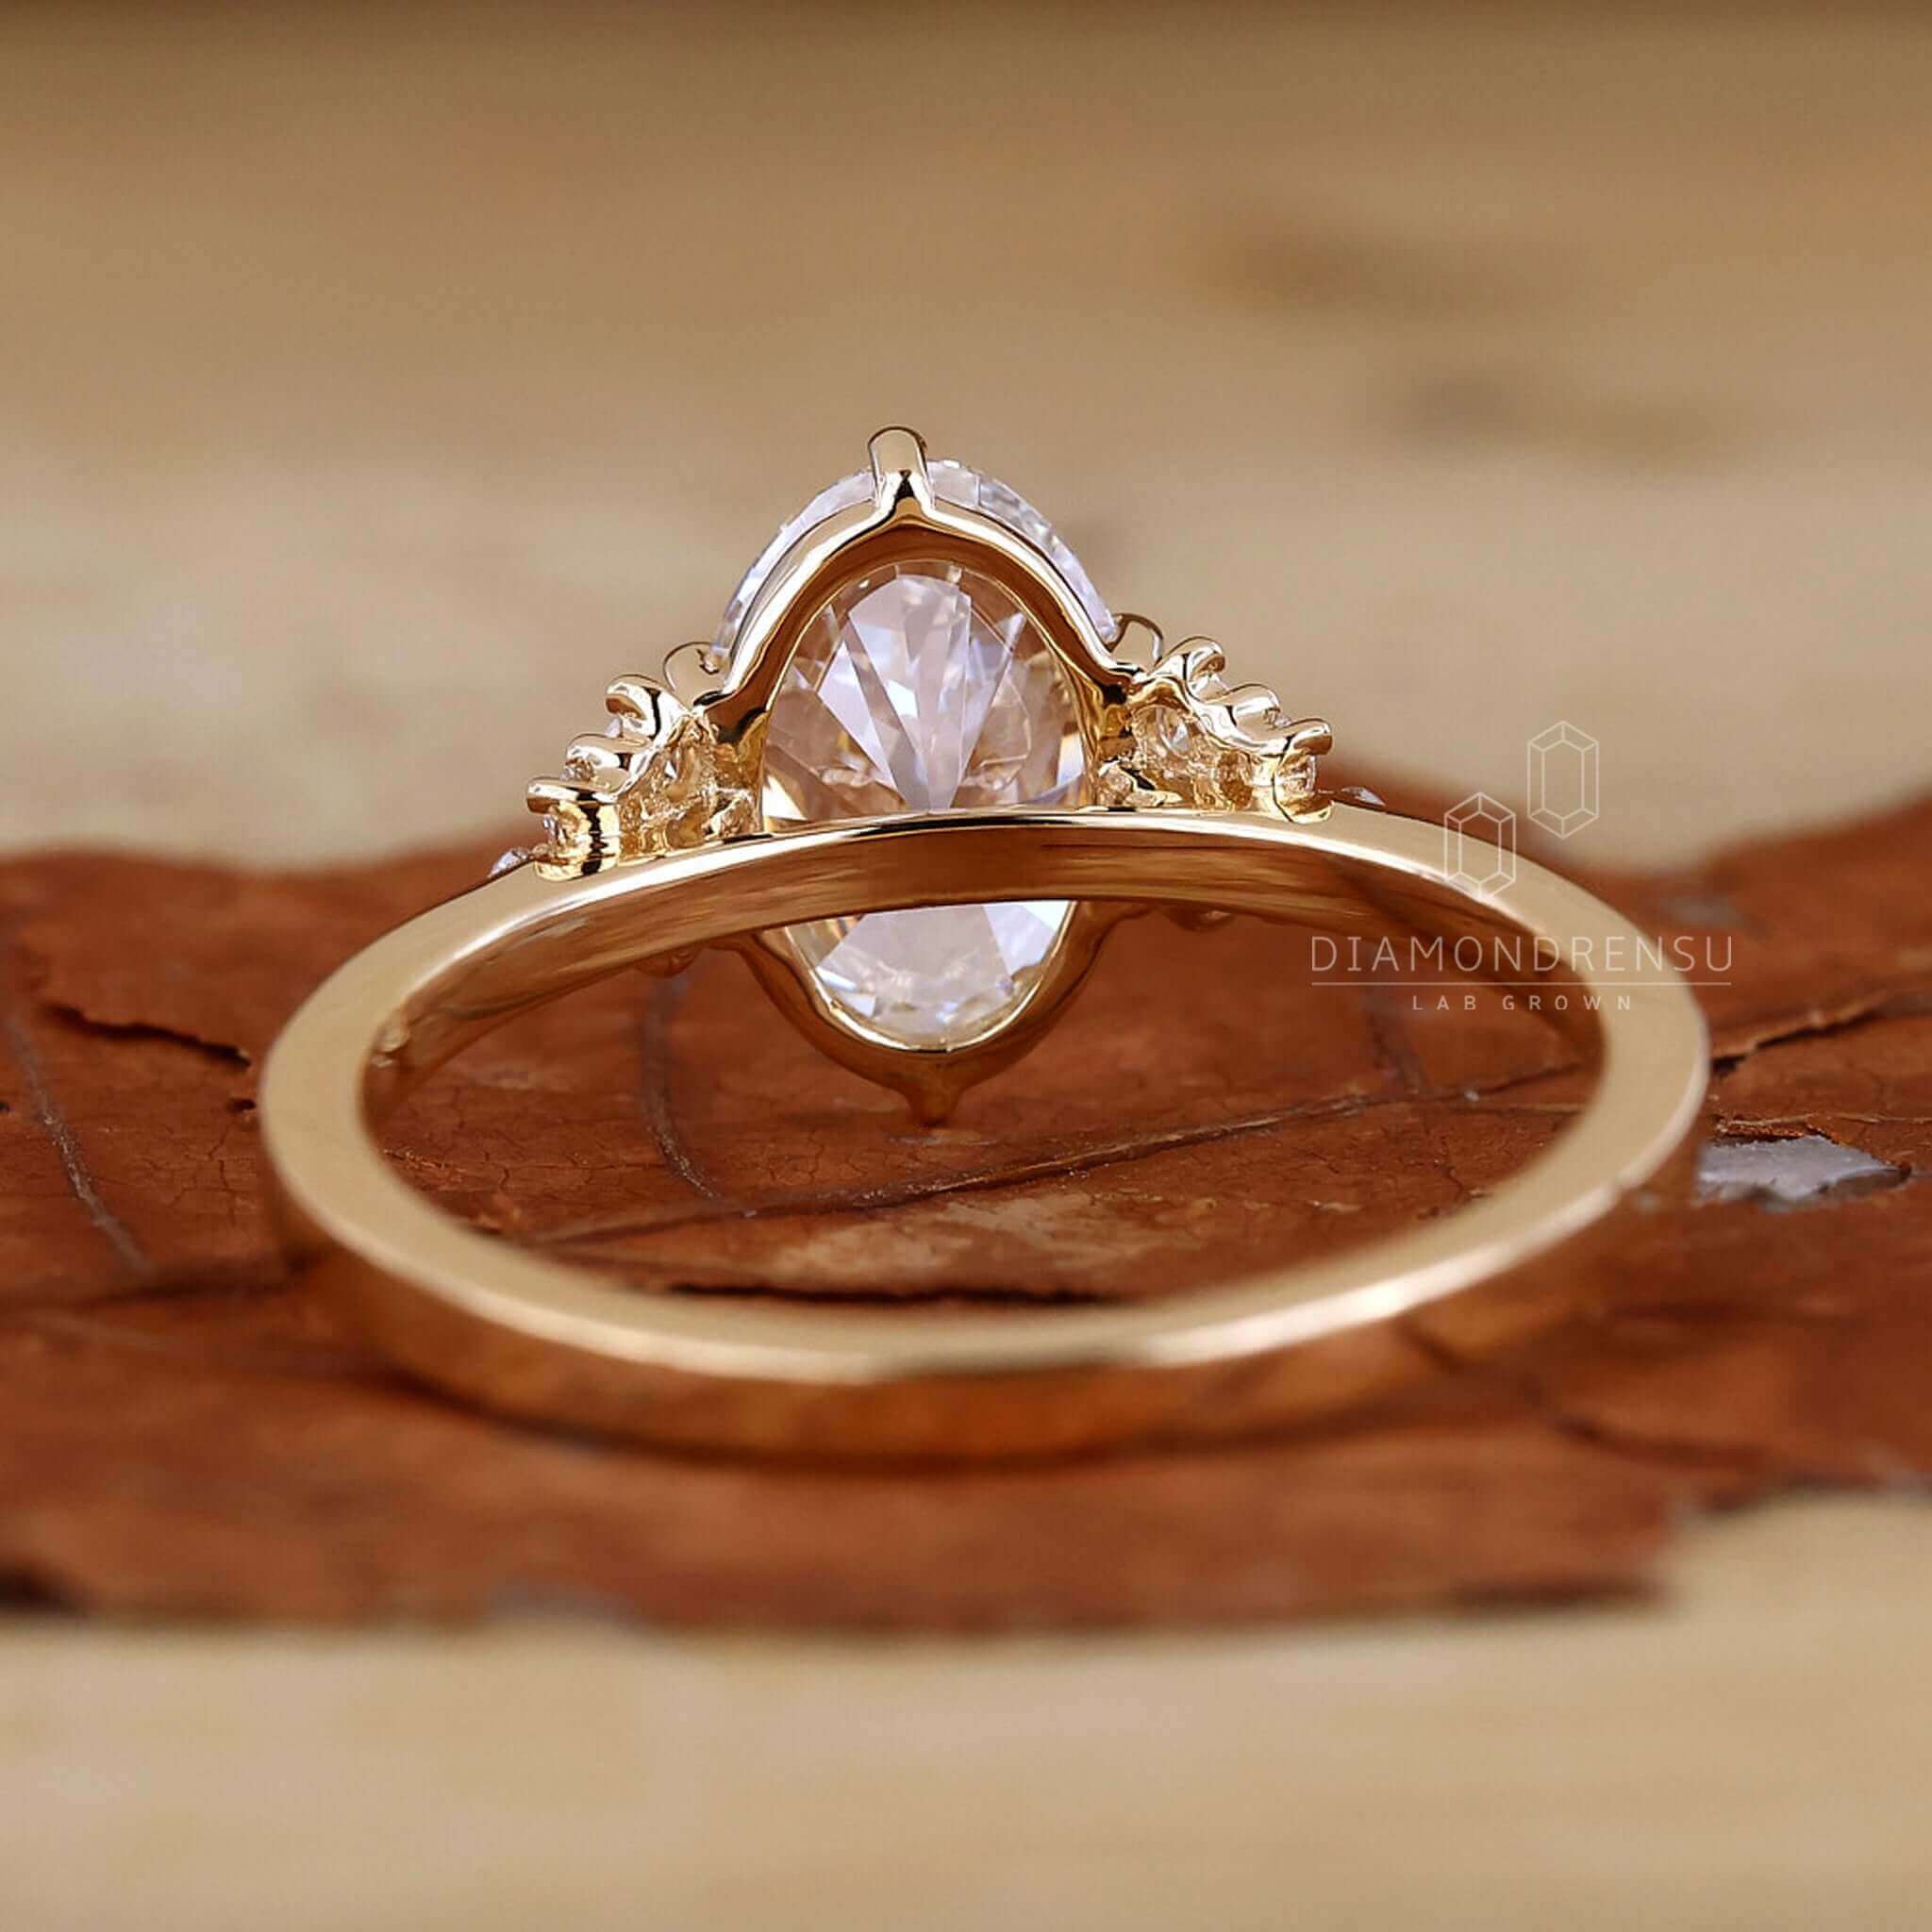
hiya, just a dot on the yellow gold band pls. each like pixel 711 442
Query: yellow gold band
pixel 526 1335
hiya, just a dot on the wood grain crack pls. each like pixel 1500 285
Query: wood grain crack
pixel 655 1098
pixel 596 1231
pixel 66 1145
pixel 150 1029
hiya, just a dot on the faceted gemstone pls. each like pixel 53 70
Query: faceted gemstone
pixel 955 483
pixel 952 483
pixel 924 687
pixel 843 494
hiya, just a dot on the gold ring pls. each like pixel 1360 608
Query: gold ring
pixel 918 708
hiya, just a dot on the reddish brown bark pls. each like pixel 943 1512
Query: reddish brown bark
pixel 180 1430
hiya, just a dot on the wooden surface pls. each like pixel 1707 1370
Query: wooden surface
pixel 1750 1754
pixel 1463 372
pixel 185 1430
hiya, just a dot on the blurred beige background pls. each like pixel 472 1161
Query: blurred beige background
pixel 376 378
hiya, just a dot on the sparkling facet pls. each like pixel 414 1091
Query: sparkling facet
pixel 935 975
pixel 952 482
pixel 834 497
pixel 924 687
pixel 955 483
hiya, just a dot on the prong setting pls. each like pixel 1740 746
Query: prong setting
pixel 656 781
pixel 683 761
pixel 1184 739
pixel 898 470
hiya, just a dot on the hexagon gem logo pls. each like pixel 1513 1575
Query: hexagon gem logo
pixel 1563 779
pixel 1479 845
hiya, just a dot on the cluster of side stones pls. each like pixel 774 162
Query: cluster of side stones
pixel 922 686
pixel 1167 756
pixel 1185 739
pixel 654 781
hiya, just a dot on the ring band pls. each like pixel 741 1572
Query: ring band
pixel 917 721
pixel 533 1337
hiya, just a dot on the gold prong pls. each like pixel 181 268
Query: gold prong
pixel 691 670
pixel 540 794
pixel 1257 711
pixel 1201 662
pixel 592 758
pixel 1137 639
pixel 642 701
pixel 898 467
pixel 1310 810
pixel 682 765
pixel 633 695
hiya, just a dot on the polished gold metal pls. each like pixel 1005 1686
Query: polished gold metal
pixel 510 1328
pixel 674 773
pixel 658 842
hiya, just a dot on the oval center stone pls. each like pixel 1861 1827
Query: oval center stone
pixel 924 687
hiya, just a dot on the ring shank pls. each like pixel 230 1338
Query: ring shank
pixel 529 1335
